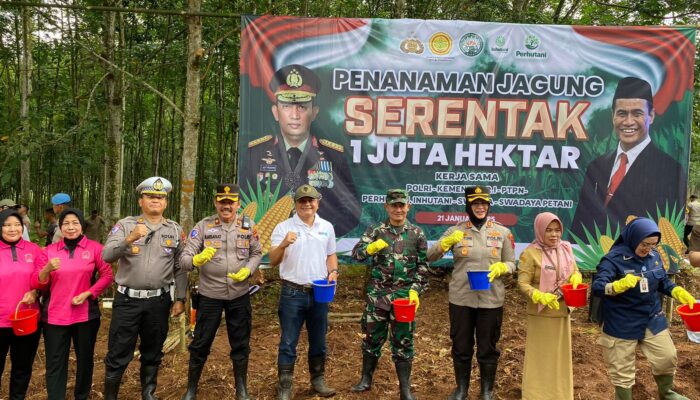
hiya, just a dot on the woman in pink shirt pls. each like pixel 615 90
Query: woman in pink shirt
pixel 19 259
pixel 71 312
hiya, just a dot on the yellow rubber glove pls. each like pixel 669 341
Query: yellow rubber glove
pixel 683 296
pixel 626 283
pixel 413 298
pixel 450 240
pixel 575 279
pixel 241 275
pixel 497 269
pixel 204 257
pixel 547 299
pixel 376 246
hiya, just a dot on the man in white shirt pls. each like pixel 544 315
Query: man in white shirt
pixel 304 248
pixel 637 177
pixel 692 217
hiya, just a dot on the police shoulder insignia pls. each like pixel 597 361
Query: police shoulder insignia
pixel 331 145
pixel 258 141
pixel 115 228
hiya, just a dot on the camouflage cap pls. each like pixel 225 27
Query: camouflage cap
pixel 473 193
pixel 306 191
pixel 396 196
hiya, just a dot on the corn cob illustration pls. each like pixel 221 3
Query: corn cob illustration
pixel 276 214
pixel 669 237
pixel 250 210
pixel 606 243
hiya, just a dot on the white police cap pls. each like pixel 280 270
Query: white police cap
pixel 155 185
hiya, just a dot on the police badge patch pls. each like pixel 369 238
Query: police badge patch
pixel 194 233
pixel 115 228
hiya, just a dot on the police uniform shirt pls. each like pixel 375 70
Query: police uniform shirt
pixel 322 164
pixel 236 247
pixel 305 260
pixel 151 262
pixel 477 251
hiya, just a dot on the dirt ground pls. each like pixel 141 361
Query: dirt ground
pixel 432 368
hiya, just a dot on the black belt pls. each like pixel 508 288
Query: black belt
pixel 296 286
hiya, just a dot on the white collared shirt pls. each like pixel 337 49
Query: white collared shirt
pixel 632 155
pixel 305 260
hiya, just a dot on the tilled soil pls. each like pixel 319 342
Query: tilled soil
pixel 432 368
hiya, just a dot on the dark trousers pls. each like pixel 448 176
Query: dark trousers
pixel 686 232
pixel 484 324
pixel 57 340
pixel 22 350
pixel 238 326
pixel 296 308
pixel 132 318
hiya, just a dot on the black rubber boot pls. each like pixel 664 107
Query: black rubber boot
pixel 285 374
pixel 463 373
pixel 403 371
pixel 369 364
pixel 488 377
pixel 193 374
pixel 149 380
pixel 240 372
pixel 112 383
pixel 317 368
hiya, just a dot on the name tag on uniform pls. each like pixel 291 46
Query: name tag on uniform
pixel 468 241
pixel 242 243
pixel 644 285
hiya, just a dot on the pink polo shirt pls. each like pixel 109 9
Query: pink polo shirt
pixel 16 276
pixel 75 276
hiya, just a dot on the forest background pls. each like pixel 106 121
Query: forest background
pixel 95 96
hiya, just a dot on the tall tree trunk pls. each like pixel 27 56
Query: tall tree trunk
pixel 26 92
pixel 114 162
pixel 192 116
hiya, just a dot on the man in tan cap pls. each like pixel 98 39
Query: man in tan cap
pixel 304 248
pixel 147 248
pixel 225 248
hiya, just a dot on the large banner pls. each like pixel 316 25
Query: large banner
pixel 590 123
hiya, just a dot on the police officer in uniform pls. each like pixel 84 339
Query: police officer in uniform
pixel 296 157
pixel 226 250
pixel 399 269
pixel 148 249
pixel 476 316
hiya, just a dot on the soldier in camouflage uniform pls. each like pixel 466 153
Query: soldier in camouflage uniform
pixel 398 252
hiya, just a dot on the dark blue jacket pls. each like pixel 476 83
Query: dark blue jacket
pixel 627 315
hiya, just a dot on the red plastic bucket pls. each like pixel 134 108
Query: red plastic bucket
pixel 404 310
pixel 24 322
pixel 575 297
pixel 691 318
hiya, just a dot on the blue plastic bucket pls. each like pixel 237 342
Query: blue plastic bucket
pixel 479 280
pixel 323 291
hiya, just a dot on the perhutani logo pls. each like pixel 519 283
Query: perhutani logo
pixel 499 45
pixel 440 44
pixel 471 44
pixel 531 43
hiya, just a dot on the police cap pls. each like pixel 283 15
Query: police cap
pixel 227 191
pixel 473 193
pixel 295 84
pixel 155 185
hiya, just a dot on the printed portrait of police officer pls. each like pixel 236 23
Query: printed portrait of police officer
pixel 295 156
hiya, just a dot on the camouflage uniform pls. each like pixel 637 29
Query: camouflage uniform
pixel 394 271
